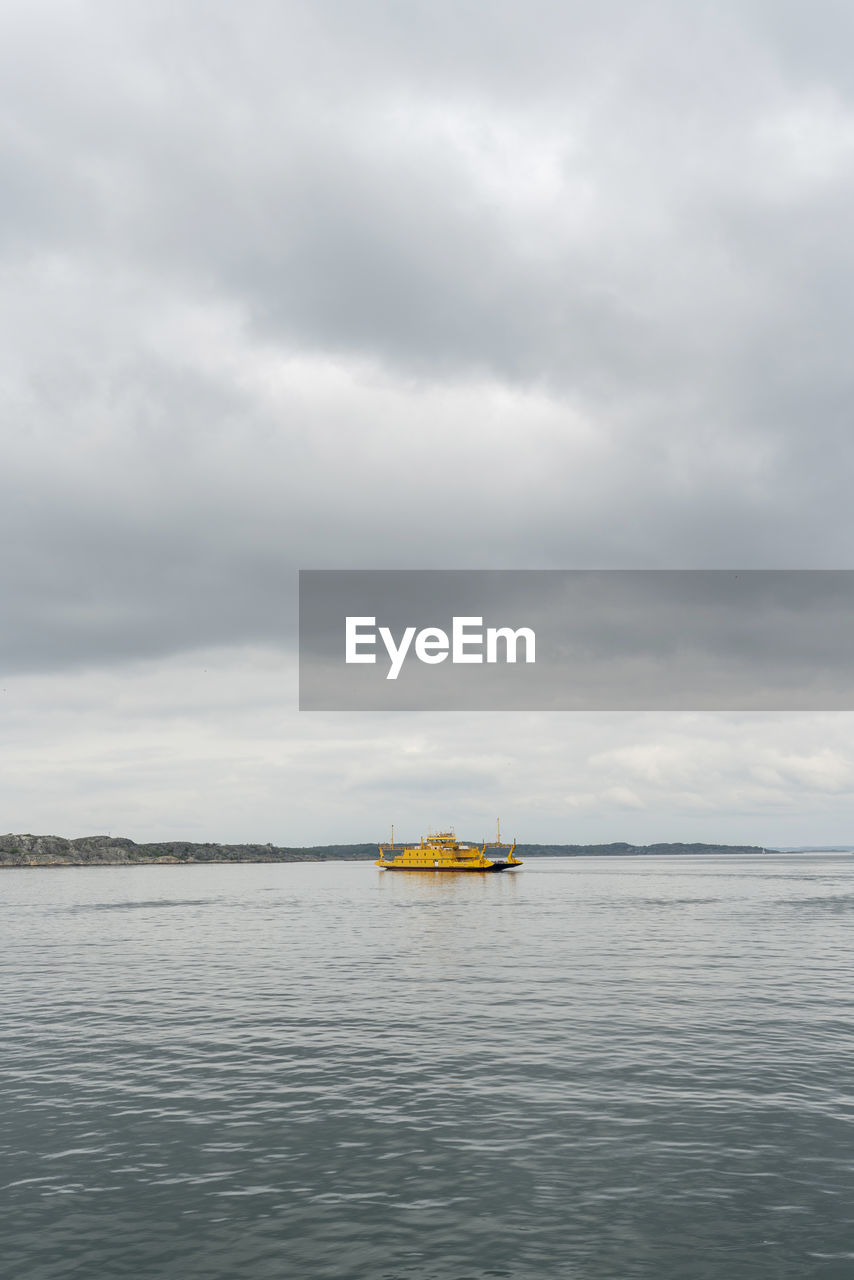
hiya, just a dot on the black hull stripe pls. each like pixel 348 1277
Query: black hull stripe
pixel 502 866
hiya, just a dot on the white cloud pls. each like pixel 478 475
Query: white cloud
pixel 209 746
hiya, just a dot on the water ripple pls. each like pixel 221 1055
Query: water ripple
pixel 593 1068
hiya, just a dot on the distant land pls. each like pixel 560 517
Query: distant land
pixel 815 848
pixel 118 851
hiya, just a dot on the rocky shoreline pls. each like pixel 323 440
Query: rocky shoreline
pixel 118 851
pixel 28 850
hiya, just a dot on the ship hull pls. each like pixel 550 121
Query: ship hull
pixel 496 866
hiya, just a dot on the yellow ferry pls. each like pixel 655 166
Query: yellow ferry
pixel 443 852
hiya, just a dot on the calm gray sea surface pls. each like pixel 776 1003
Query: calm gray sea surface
pixel 591 1067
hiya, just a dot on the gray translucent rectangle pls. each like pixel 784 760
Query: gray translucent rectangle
pixel 604 640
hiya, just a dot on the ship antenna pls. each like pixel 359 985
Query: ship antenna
pixel 498 825
pixel 392 835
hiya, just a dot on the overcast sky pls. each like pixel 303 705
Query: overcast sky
pixel 445 285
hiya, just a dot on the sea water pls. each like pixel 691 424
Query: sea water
pixel 589 1067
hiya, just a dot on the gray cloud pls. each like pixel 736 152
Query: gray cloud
pixel 432 285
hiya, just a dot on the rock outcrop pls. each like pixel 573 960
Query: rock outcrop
pixel 87 851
